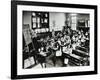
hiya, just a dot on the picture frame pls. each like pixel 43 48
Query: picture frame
pixel 17 11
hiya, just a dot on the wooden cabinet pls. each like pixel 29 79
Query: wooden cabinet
pixel 40 21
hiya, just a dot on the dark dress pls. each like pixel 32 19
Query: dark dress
pixel 36 47
pixel 36 44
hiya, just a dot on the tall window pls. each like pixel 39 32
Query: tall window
pixel 73 21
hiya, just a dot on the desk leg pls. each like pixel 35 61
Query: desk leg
pixel 43 65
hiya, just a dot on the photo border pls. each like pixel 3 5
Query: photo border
pixel 14 5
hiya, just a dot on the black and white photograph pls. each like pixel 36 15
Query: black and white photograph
pixel 53 39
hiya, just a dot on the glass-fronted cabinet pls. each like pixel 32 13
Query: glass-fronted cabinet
pixel 40 21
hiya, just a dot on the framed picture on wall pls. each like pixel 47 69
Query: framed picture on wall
pixel 53 39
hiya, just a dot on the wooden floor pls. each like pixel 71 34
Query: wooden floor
pixel 74 60
pixel 50 64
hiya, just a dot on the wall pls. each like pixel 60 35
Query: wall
pixel 57 20
pixel 83 16
pixel 27 18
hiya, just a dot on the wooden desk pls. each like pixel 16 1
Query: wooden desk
pixel 82 48
pixel 80 53
pixel 75 59
pixel 44 58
